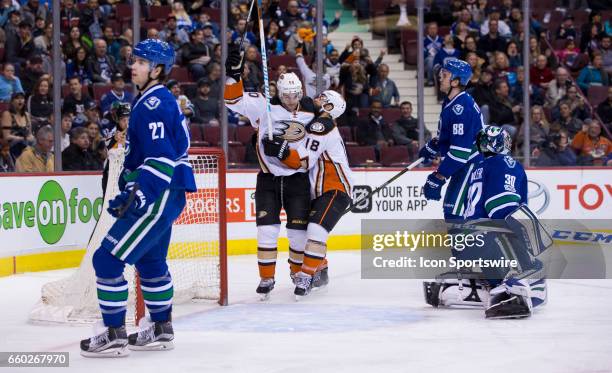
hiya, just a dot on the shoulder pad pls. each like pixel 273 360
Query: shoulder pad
pixel 306 104
pixel 320 126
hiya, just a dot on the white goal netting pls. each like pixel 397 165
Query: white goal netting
pixel 194 257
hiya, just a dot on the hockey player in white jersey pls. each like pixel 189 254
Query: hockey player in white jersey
pixel 277 186
pixel 324 155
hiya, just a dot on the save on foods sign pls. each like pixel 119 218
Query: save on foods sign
pixel 40 212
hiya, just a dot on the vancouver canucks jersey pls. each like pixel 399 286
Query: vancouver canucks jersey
pixel 157 144
pixel 460 122
pixel 496 187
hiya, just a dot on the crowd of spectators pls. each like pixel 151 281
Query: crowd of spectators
pixel 570 66
pixel 570 70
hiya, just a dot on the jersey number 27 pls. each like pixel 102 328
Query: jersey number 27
pixel 157 130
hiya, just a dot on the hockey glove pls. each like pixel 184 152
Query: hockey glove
pixel 123 179
pixel 130 199
pixel 234 64
pixel 433 187
pixel 277 147
pixel 430 150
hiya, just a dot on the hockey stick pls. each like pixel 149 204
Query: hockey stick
pixel 241 48
pixel 264 62
pixel 123 208
pixel 408 168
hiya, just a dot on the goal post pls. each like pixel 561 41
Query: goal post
pixel 197 256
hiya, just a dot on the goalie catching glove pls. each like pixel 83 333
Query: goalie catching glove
pixel 277 147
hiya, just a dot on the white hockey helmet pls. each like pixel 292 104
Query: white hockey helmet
pixel 289 84
pixel 335 99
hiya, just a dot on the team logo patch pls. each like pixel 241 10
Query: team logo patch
pixel 457 109
pixel 317 127
pixel 510 161
pixel 262 213
pixel 289 130
pixel 152 102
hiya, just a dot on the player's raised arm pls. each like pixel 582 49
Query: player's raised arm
pixel 249 104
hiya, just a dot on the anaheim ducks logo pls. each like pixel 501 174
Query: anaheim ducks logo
pixel 289 130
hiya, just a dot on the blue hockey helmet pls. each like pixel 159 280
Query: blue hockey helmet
pixel 492 139
pixel 459 70
pixel 157 52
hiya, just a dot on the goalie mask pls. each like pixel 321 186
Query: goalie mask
pixel 332 103
pixel 289 89
pixel 494 140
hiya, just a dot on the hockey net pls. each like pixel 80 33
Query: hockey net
pixel 196 257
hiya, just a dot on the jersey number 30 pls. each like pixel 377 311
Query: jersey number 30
pixel 157 130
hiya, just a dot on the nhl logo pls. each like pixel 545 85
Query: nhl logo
pixel 457 109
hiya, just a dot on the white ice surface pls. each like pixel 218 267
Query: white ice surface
pixel 353 326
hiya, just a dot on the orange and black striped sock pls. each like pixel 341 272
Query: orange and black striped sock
pixel 296 258
pixel 266 259
pixel 314 256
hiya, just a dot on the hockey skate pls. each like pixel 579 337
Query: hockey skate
pixel 320 279
pixel 513 299
pixel 265 287
pixel 303 285
pixel 110 343
pixel 154 336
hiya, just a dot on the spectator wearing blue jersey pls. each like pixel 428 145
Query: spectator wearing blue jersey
pixel 239 31
pixel 117 93
pixel 9 83
pixel 173 35
pixel 432 45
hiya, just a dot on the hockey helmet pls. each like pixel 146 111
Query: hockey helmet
pixel 157 52
pixel 120 109
pixel 459 70
pixel 289 84
pixel 335 99
pixel 492 139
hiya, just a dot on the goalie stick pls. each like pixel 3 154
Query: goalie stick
pixel 395 177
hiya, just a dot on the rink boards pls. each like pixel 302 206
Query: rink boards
pixel 46 220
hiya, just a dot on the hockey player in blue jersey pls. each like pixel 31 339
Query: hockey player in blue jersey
pixel 153 183
pixel 496 206
pixel 459 124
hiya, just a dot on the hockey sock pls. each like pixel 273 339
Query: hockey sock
pixel 111 287
pixel 266 259
pixel 314 256
pixel 297 242
pixel 296 259
pixel 157 294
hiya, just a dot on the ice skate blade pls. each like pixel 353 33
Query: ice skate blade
pixel 520 316
pixel 110 353
pixel 155 346
pixel 318 289
pixel 264 297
